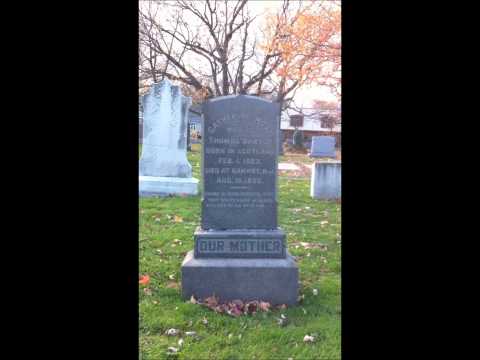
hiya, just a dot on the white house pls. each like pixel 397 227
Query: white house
pixel 311 123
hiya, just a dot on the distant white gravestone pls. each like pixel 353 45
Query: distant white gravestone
pixel 164 167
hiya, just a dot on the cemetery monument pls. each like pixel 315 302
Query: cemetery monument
pixel 323 146
pixel 326 180
pixel 240 251
pixel 164 167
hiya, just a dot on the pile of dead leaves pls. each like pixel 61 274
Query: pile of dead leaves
pixel 234 308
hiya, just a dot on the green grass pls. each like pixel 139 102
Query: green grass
pixel 253 337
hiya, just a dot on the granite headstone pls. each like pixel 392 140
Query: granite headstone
pixel 323 146
pixel 240 252
pixel 326 180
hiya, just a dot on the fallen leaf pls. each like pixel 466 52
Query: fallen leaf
pixel 308 338
pixel 177 219
pixel 282 321
pixel 211 302
pixel 172 285
pixel 172 332
pixel 234 311
pixel 172 350
pixel 238 303
pixel 251 307
pixel 144 280
pixel 264 306
pixel 147 291
pixel 222 308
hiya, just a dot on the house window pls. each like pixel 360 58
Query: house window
pixel 328 122
pixel 296 120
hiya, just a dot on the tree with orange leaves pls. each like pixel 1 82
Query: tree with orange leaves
pixel 219 50
pixel 308 39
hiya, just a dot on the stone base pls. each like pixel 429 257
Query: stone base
pixel 239 243
pixel 164 186
pixel 272 280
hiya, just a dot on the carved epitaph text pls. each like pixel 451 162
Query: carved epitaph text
pixel 240 135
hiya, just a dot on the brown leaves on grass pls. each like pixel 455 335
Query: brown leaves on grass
pixel 233 308
pixel 172 285
pixel 177 219
pixel 172 332
pixel 147 291
pixel 144 280
pixel 282 320
pixel 308 338
pixel 307 245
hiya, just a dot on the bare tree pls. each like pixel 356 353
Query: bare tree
pixel 217 40
pixel 212 48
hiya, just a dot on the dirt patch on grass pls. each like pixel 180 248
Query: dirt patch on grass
pixel 303 171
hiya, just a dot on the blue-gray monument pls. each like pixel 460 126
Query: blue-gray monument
pixel 240 251
pixel 326 180
pixel 323 146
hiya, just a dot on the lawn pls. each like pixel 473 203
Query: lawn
pixel 313 236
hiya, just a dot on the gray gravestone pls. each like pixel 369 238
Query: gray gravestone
pixel 240 164
pixel 326 180
pixel 240 253
pixel 323 146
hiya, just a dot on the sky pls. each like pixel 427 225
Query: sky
pixel 304 96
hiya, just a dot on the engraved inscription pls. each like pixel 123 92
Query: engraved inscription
pixel 239 164
pixel 239 246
